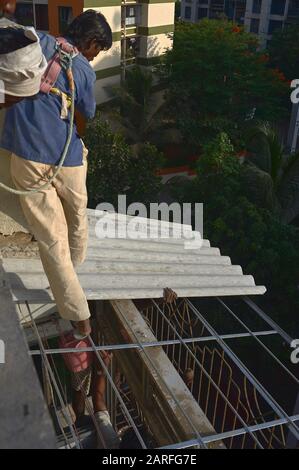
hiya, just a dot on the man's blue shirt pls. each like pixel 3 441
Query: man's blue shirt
pixel 33 128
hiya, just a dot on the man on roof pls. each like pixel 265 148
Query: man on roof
pixel 35 133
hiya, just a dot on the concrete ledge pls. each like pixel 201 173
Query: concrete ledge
pixel 25 422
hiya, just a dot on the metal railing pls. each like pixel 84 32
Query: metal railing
pixel 243 412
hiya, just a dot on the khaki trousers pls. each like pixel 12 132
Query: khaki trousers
pixel 57 217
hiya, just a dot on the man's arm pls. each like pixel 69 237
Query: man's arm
pixel 80 123
pixel 85 103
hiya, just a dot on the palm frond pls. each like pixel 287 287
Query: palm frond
pixel 259 187
pixel 265 149
pixel 288 192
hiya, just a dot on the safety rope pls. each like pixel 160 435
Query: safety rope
pixel 32 191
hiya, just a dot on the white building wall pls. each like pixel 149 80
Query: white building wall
pixel 108 59
pixel 102 86
pixel 157 14
pixel 156 45
pixel 112 15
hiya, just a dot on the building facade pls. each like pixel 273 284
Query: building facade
pixel 142 31
pixel 260 17
pixel 195 10
pixel 263 17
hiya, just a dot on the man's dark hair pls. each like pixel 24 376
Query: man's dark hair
pixel 90 26
pixel 12 39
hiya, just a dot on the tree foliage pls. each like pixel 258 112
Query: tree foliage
pixel 114 168
pixel 138 110
pixel 217 79
pixel 271 176
pixel 284 51
pixel 252 236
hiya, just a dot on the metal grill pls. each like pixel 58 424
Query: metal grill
pixel 218 384
pixel 241 409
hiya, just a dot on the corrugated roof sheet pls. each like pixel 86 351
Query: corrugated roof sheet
pixel 131 269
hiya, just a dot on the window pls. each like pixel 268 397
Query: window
pixel 219 4
pixel 188 13
pixel 131 15
pixel 274 26
pixel 294 4
pixel 202 13
pixel 293 8
pixel 24 14
pixel 278 7
pixel 65 15
pixel 42 17
pixel 229 10
pixel 33 14
pixel 254 25
pixel 256 6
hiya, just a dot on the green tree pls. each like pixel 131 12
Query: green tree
pixel 284 51
pixel 271 177
pixel 252 236
pixel 217 79
pixel 115 169
pixel 140 112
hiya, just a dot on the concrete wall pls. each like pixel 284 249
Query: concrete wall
pixel 156 45
pixel 157 14
pixel 102 88
pixel 112 15
pixel 157 21
pixel 108 59
pixel 25 422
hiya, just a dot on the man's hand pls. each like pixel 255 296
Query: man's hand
pixel 169 296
